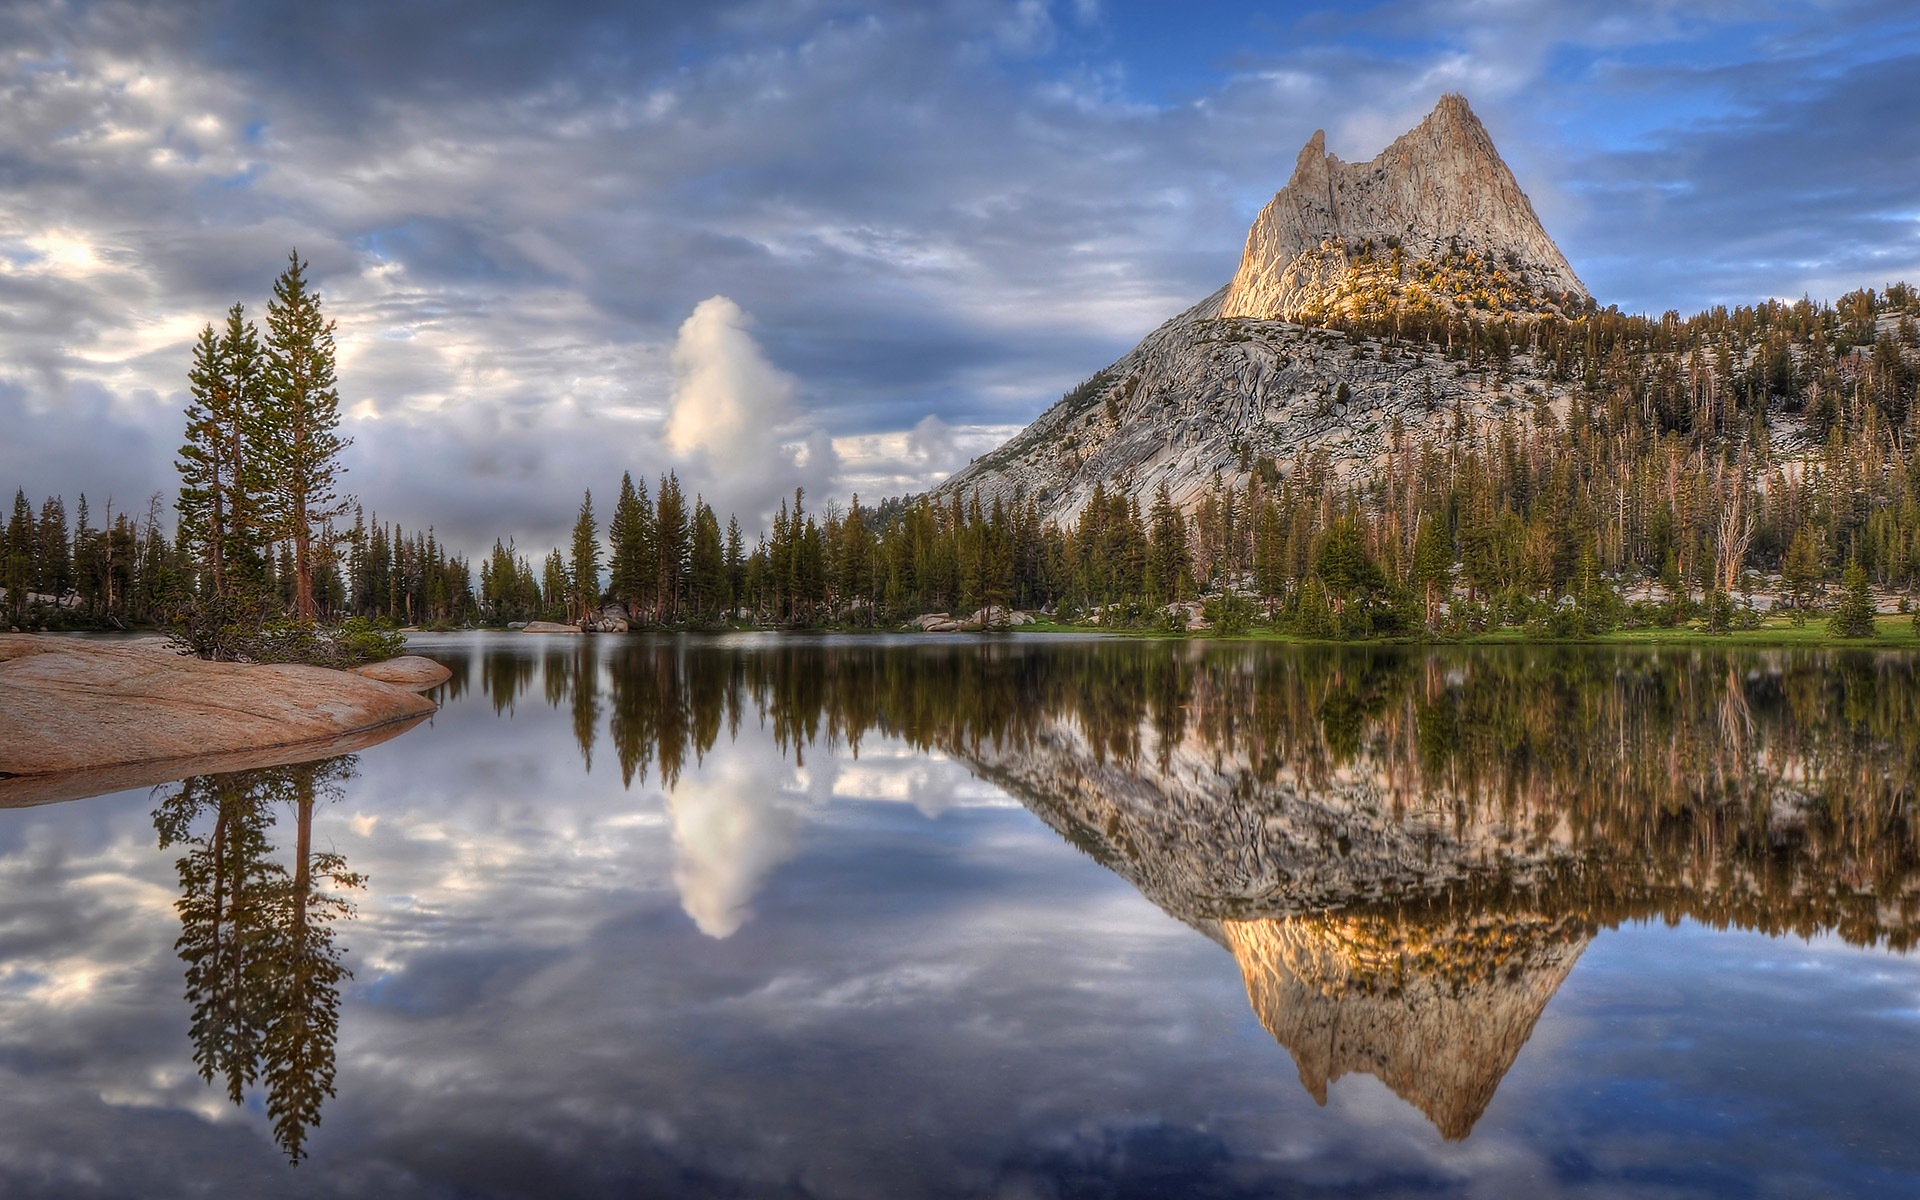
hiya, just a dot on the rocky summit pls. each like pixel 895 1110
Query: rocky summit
pixel 1435 229
pixel 1436 219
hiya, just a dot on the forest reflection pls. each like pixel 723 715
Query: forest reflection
pixel 1767 789
pixel 1406 851
pixel 256 935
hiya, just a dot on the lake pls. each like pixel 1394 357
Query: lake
pixel 773 916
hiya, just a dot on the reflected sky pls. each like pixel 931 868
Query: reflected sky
pixel 776 942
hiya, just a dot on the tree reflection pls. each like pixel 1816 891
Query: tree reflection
pixel 262 970
pixel 1766 789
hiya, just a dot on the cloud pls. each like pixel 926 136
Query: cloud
pixel 932 443
pixel 732 417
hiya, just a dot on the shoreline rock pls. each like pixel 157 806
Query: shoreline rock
pixel 409 671
pixel 79 717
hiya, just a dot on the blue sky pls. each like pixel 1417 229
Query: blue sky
pixel 928 220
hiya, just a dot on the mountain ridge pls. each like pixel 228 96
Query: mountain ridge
pixel 1435 226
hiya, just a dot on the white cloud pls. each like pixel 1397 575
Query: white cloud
pixel 732 417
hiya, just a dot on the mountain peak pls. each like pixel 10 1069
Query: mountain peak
pixel 1435 219
pixel 1452 109
pixel 1451 128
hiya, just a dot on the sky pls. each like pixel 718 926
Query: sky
pixel 837 245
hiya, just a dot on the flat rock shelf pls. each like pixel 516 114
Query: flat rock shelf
pixel 80 716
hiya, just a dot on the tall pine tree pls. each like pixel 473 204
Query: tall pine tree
pixel 631 572
pixel 301 444
pixel 220 502
pixel 583 573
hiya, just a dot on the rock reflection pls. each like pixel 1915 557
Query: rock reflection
pixel 262 971
pixel 1437 1011
pixel 1405 851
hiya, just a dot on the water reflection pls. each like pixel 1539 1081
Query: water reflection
pixel 730 830
pixel 1405 852
pixel 262 971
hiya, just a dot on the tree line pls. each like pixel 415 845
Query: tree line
pixel 1698 460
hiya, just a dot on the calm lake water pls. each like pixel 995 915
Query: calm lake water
pixel 779 917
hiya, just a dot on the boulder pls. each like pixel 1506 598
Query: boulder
pixel 549 627
pixel 80 716
pixel 613 619
pixel 409 671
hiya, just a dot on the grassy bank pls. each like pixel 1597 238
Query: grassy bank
pixel 1895 631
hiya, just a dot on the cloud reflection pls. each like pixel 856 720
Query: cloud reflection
pixel 731 828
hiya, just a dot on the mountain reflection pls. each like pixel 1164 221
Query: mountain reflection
pixel 1405 851
pixel 262 972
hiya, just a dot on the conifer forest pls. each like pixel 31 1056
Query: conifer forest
pixel 1704 463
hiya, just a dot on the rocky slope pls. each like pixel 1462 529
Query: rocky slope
pixel 1238 383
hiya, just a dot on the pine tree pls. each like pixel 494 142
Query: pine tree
pixel 84 535
pixel 554 586
pixel 219 502
pixel 300 443
pixel 671 549
pixel 1853 616
pixel 706 567
pixel 16 555
pixel 1168 563
pixel 359 563
pixel 53 554
pixel 632 570
pixel 206 475
pixel 736 564
pixel 1801 571
pixel 583 571
pixel 1432 563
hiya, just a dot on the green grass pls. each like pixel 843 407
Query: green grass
pixel 1895 631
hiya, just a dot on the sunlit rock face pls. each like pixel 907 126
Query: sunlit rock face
pixel 1433 230
pixel 1436 1012
pixel 1439 196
